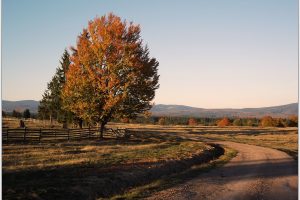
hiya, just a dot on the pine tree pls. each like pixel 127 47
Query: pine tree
pixel 16 114
pixel 26 114
pixel 51 104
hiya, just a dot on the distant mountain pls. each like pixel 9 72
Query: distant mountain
pixel 181 110
pixel 9 106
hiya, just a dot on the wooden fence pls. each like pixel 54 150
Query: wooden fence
pixel 46 134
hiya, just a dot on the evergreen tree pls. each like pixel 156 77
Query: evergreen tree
pixel 26 114
pixel 3 114
pixel 16 114
pixel 51 104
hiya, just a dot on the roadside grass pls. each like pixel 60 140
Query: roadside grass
pixel 283 139
pixel 166 182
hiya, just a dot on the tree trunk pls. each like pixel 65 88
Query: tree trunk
pixel 102 129
pixel 50 119
pixel 80 123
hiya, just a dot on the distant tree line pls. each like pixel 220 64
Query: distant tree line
pixel 266 121
pixel 17 114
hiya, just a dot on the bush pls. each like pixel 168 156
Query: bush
pixel 224 122
pixel 267 121
pixel 162 121
pixel 237 122
pixel 192 122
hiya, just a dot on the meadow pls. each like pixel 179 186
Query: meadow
pixel 153 158
pixel 283 139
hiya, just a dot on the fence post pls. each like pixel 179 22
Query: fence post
pixel 24 134
pixel 54 133
pixel 68 134
pixel 40 135
pixel 89 132
pixel 7 135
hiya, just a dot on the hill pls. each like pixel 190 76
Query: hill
pixel 9 106
pixel 181 110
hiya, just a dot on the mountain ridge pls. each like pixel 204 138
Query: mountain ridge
pixel 182 110
pixel 20 105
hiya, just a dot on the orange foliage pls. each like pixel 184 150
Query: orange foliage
pixel 192 122
pixel 293 120
pixel 125 120
pixel 267 121
pixel 111 74
pixel 224 122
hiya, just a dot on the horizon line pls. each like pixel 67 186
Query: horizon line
pixel 186 105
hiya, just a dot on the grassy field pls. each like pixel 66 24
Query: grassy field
pixel 154 158
pixel 284 139
pixel 30 123
pixel 97 169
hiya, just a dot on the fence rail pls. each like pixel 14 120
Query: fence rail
pixel 52 134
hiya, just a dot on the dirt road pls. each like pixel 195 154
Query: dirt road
pixel 255 173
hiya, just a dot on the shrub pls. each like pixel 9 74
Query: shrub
pixel 192 122
pixel 237 122
pixel 224 122
pixel 267 121
pixel 162 121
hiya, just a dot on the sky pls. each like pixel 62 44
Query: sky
pixel 212 54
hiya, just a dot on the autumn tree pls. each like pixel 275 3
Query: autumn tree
pixel 224 122
pixel 292 121
pixel 51 104
pixel 192 122
pixel 162 121
pixel 249 122
pixel 111 74
pixel 267 121
pixel 237 122
pixel 125 120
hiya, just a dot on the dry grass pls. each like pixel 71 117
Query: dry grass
pixel 174 179
pixel 126 168
pixel 284 139
pixel 94 169
pixel 30 123
pixel 50 156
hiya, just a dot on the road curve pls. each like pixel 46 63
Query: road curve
pixel 255 173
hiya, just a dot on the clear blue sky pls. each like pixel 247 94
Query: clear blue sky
pixel 212 54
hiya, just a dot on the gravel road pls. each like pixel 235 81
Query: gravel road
pixel 255 173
